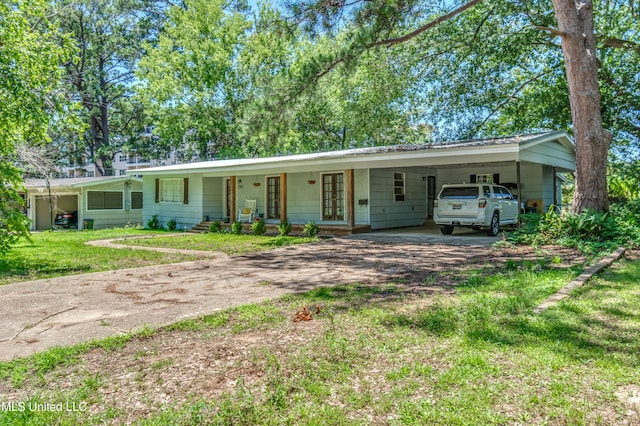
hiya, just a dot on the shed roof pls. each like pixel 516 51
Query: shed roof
pixel 31 183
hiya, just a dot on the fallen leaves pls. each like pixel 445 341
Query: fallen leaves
pixel 305 314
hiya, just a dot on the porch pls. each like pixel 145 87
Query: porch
pixel 296 229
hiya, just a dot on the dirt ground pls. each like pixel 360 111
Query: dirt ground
pixel 172 367
pixel 73 309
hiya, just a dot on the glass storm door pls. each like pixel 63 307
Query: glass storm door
pixel 333 196
pixel 228 201
pixel 273 197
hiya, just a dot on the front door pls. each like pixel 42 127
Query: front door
pixel 273 197
pixel 228 207
pixel 431 195
pixel 333 196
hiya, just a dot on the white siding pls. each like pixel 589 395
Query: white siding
pixel 361 192
pixel 550 153
pixel 388 213
pixel 185 215
pixel 112 218
pixel 304 199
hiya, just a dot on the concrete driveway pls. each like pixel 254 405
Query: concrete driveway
pixel 37 315
pixel 430 233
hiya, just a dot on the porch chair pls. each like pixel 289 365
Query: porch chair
pixel 248 212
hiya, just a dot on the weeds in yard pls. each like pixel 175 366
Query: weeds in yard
pixel 383 355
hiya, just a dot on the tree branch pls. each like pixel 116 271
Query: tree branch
pixel 512 96
pixel 619 43
pixel 417 32
pixel 550 30
pixel 407 37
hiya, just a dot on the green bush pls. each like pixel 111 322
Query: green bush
pixel 310 229
pixel 259 227
pixel 215 227
pixel 154 222
pixel 589 231
pixel 284 228
pixel 171 225
pixel 236 228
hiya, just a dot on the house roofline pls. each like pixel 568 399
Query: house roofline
pixel 508 145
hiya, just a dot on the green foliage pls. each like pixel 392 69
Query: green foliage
pixel 171 225
pixel 31 50
pixel 310 229
pixel 215 227
pixel 284 228
pixel 236 228
pixel 154 222
pixel 109 37
pixel 589 231
pixel 190 81
pixel 623 180
pixel 259 227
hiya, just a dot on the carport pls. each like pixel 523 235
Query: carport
pixel 46 207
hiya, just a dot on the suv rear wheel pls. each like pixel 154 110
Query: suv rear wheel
pixel 446 229
pixel 494 227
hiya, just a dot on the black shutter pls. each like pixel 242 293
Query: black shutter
pixel 186 191
pixel 157 190
pixel 472 178
pixel 496 178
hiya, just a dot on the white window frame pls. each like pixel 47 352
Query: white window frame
pixel 141 199
pixel 399 187
pixel 106 210
pixel 171 191
pixel 484 178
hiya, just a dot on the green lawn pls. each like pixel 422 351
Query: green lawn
pixel 222 242
pixel 51 254
pixel 392 354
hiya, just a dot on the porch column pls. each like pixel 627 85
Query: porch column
pixel 283 197
pixel 519 187
pixel 555 188
pixel 234 207
pixel 351 213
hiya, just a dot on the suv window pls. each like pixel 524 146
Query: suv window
pixel 460 192
pixel 505 193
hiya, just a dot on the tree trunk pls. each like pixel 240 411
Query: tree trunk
pixel 575 22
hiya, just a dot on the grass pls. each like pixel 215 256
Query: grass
pixel 225 243
pixel 377 355
pixel 52 254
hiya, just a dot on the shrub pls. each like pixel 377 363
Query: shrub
pixel 284 228
pixel 154 222
pixel 236 228
pixel 171 225
pixel 215 227
pixel 310 229
pixel 589 231
pixel 259 227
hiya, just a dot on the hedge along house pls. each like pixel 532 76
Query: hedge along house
pixel 108 201
pixel 356 189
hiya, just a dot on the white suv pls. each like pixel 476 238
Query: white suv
pixel 476 206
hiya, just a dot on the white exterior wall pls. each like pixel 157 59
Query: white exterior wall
pixel 185 215
pixel 111 218
pixel 362 193
pixel 385 212
pixel 304 200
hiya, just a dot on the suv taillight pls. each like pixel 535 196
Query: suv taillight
pixel 482 203
pixel 435 203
